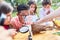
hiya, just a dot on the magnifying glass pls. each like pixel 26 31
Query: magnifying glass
pixel 24 29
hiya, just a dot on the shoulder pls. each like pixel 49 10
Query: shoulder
pixel 41 11
pixel 14 19
pixel 3 15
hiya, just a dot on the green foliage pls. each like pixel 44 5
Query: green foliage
pixel 17 2
pixel 22 1
pixel 14 14
pixel 55 1
pixel 7 0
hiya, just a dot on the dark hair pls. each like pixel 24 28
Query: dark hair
pixel 5 9
pixel 46 2
pixel 32 2
pixel 22 7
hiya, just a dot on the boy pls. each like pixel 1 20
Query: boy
pixel 18 21
pixel 45 10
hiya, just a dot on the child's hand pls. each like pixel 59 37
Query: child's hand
pixel 47 11
pixel 4 34
pixel 12 32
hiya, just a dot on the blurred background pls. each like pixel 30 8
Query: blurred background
pixel 15 3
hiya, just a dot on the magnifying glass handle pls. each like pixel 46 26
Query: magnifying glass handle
pixel 29 37
pixel 30 33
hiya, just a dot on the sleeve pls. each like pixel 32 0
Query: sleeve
pixel 2 21
pixel 15 24
pixel 41 15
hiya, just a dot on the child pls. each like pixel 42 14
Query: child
pixel 5 14
pixel 32 17
pixel 18 21
pixel 45 10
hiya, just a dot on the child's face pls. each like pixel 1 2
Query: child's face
pixel 22 15
pixel 8 18
pixel 32 8
pixel 47 7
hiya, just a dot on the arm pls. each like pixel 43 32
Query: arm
pixel 50 17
